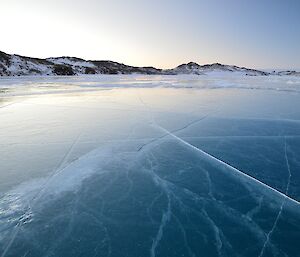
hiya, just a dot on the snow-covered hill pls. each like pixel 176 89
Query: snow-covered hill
pixel 16 65
pixel 194 68
pixel 288 72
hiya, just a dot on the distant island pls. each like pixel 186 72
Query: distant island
pixel 17 65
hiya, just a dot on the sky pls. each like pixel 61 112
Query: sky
pixel 161 33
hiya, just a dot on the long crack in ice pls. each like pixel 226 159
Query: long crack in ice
pixel 283 202
pixel 164 220
pixel 238 172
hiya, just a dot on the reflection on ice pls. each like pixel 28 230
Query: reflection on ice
pixel 150 172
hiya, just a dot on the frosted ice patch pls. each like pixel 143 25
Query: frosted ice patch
pixel 18 205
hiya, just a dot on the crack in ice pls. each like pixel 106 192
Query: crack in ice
pixel 183 232
pixel 226 164
pixel 166 215
pixel 164 220
pixel 174 131
pixel 282 204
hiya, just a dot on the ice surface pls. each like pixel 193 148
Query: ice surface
pixel 150 166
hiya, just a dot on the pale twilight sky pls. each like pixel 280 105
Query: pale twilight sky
pixel 161 33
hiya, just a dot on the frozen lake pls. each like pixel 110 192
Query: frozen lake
pixel 150 166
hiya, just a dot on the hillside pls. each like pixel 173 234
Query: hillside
pixel 17 65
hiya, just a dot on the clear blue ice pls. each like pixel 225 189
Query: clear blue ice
pixel 150 166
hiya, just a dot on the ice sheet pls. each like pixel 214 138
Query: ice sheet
pixel 129 165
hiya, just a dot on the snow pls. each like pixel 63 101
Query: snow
pixel 20 66
pixel 65 60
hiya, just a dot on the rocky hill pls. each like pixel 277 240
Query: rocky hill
pixel 17 65
pixel 195 68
